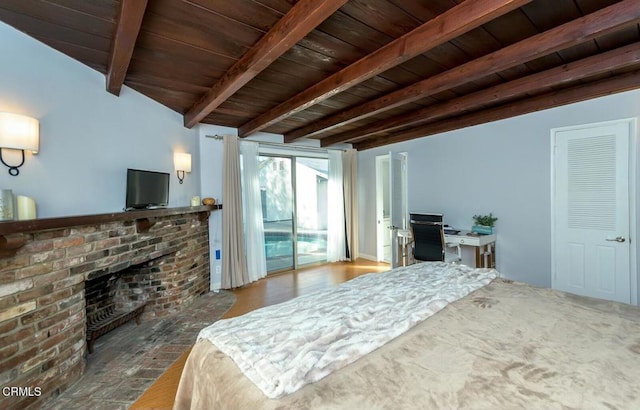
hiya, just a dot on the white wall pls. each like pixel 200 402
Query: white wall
pixel 88 137
pixel 502 167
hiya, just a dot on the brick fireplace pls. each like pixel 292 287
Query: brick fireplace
pixel 159 259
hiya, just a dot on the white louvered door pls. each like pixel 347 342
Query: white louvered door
pixel 591 244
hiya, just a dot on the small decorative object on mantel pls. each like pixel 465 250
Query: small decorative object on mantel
pixel 6 205
pixel 483 224
pixel 208 201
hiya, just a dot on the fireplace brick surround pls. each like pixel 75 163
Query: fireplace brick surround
pixel 164 257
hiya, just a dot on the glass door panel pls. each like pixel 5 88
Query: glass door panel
pixel 277 211
pixel 311 176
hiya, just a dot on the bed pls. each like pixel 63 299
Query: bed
pixel 502 344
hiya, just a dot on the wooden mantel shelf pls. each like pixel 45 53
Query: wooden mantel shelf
pixel 13 233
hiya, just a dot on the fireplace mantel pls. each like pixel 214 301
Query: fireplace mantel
pixel 12 233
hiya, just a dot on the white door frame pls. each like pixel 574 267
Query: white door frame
pixel 380 206
pixel 398 201
pixel 633 265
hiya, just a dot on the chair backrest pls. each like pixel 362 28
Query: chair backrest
pixel 426 218
pixel 428 237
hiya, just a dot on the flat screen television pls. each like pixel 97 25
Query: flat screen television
pixel 147 189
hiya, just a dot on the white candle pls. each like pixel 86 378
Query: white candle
pixel 26 208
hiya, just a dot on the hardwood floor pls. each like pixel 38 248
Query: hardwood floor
pixel 268 291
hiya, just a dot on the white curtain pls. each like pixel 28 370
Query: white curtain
pixel 252 208
pixel 350 172
pixel 234 258
pixel 336 243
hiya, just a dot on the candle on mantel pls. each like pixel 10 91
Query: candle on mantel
pixel 26 208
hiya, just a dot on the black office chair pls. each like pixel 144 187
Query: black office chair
pixel 428 239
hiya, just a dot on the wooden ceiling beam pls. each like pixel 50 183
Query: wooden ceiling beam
pixel 569 34
pixel 124 41
pixel 599 64
pixel 303 17
pixel 458 20
pixel 600 88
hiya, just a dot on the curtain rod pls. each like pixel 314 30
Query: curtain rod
pixel 281 145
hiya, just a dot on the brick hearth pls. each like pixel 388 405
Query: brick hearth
pixel 164 255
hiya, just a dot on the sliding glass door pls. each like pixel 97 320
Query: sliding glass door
pixel 276 190
pixel 311 209
pixel 294 210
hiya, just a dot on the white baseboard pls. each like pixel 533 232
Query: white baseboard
pixel 368 257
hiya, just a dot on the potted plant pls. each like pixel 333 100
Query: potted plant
pixel 483 224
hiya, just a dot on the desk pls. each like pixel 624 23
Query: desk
pixel 485 247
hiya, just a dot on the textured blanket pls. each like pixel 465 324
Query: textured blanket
pixel 283 347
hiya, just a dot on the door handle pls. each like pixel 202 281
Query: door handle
pixel 617 239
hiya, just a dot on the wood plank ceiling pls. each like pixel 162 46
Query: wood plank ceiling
pixel 366 72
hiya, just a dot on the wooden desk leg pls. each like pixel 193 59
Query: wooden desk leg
pixel 479 258
pixel 493 255
pixel 486 256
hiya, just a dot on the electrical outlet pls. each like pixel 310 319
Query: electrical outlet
pixel 218 269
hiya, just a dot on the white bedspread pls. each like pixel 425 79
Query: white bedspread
pixel 283 347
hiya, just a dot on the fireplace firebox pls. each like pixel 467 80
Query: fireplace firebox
pixel 103 314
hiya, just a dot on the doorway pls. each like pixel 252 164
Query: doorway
pixel 593 217
pixel 391 204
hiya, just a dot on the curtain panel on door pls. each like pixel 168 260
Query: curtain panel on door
pixel 336 242
pixel 349 170
pixel 252 211
pixel 234 260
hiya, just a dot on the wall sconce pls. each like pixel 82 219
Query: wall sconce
pixel 182 163
pixel 18 132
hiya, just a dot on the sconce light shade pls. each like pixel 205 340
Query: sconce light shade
pixel 182 164
pixel 18 132
pixel 182 161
